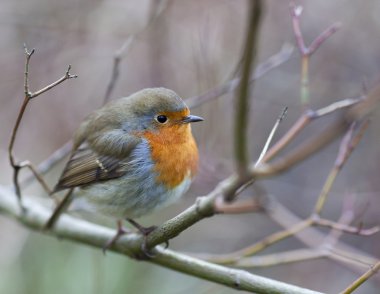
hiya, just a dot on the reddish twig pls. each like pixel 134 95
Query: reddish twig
pixel 307 52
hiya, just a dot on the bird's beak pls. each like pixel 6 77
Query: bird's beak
pixel 191 119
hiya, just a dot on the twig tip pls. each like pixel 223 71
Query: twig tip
pixel 295 10
pixel 283 114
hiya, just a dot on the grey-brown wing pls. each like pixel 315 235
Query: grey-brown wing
pixel 87 166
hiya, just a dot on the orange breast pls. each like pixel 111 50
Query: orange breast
pixel 175 154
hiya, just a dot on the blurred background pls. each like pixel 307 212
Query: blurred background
pixel 192 46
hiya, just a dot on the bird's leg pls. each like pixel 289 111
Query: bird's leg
pixel 145 231
pixel 120 232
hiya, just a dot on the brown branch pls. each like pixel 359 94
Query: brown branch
pixel 306 118
pixel 28 97
pixel 242 95
pixel 344 228
pixel 295 12
pixel 238 207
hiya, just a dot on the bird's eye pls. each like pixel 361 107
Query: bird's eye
pixel 161 119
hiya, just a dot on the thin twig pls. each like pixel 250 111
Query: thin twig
pixel 307 52
pixel 67 76
pixel 323 37
pixel 48 163
pixel 356 284
pixel 28 97
pixel 286 257
pixel 306 118
pixel 263 68
pixel 345 228
pixel 270 137
pixel 347 145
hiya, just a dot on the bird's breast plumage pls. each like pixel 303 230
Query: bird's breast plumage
pixel 150 181
pixel 174 153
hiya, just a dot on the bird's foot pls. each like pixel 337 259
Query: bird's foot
pixel 145 231
pixel 120 232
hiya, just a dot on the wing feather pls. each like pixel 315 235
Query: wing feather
pixel 87 166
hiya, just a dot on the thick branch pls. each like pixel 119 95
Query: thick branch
pixel 94 235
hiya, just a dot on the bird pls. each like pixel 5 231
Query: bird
pixel 131 157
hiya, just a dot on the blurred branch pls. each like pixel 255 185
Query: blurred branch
pixel 310 237
pixel 94 235
pixel 349 142
pixel 307 52
pixel 373 270
pixel 157 8
pixel 242 95
pixel 354 111
pixel 263 68
pixel 307 117
pixel 316 251
pixel 48 163
pixel 290 256
pixel 344 228
pixel 346 147
pixel 28 97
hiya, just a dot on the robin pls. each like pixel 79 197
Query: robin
pixel 132 156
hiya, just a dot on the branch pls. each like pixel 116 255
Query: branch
pixel 307 52
pixel 48 163
pixel 306 118
pixel 345 228
pixel 242 96
pixel 160 6
pixel 28 97
pixel 373 270
pixel 94 235
pixel 263 68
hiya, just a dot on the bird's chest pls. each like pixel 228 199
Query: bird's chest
pixel 175 157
